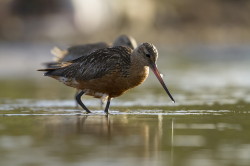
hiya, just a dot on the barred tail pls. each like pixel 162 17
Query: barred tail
pixel 57 66
pixel 48 71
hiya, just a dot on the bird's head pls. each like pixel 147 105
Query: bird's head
pixel 148 54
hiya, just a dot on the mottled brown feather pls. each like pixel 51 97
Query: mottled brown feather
pixel 96 65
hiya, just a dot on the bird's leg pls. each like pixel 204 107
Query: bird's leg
pixel 77 91
pixel 79 101
pixel 107 106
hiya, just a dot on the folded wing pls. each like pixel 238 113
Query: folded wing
pixel 95 65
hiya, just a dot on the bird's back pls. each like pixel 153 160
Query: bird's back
pixel 95 65
pixel 82 50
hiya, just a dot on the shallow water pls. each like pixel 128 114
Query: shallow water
pixel 208 125
pixel 51 134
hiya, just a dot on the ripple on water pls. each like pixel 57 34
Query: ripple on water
pixel 67 107
pixel 71 112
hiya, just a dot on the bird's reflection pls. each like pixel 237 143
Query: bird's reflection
pixel 124 132
pixel 80 121
pixel 97 126
pixel 172 143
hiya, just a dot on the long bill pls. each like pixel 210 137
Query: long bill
pixel 157 74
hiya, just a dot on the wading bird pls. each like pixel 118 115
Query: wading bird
pixel 77 51
pixel 109 72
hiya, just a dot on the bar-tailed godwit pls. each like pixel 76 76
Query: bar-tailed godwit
pixel 108 73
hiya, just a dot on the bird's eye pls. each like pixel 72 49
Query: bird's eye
pixel 148 55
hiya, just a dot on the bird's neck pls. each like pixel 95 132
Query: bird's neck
pixel 138 69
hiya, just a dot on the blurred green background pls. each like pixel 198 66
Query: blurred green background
pixel 168 21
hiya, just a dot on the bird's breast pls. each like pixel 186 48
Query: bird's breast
pixel 114 84
pixel 138 75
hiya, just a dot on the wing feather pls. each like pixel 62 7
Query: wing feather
pixel 96 64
